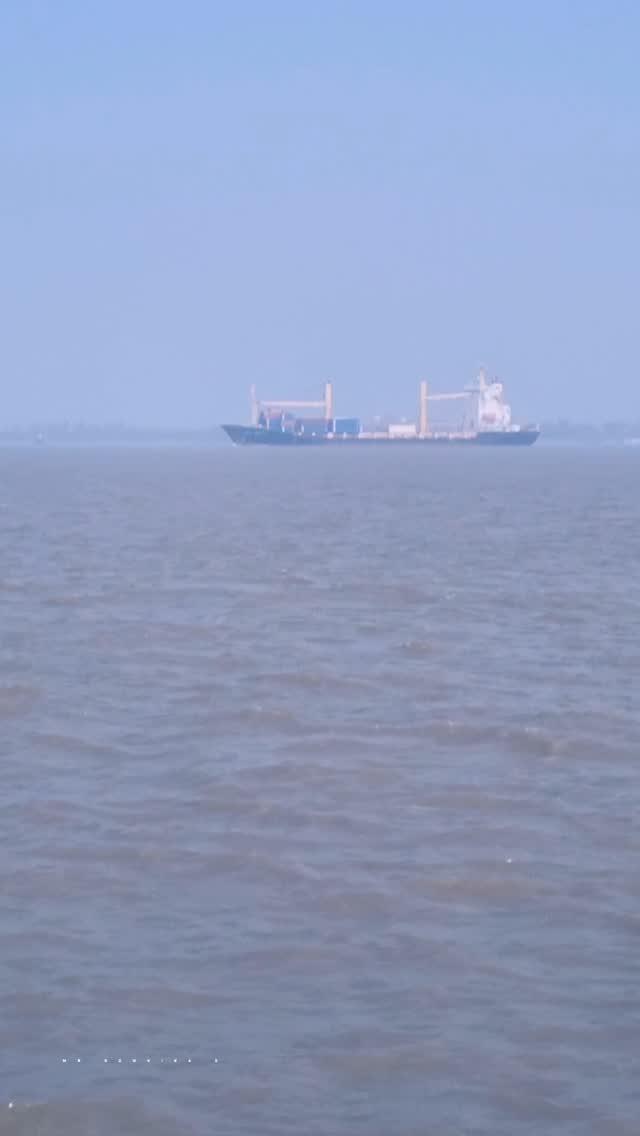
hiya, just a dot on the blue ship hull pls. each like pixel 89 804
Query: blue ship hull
pixel 259 436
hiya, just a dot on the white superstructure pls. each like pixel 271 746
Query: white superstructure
pixel 488 409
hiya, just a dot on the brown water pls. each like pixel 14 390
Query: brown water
pixel 320 792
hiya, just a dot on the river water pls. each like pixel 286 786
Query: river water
pixel 320 792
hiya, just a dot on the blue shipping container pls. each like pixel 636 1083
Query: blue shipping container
pixel 346 426
pixel 311 426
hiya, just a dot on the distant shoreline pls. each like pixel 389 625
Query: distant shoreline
pixel 95 436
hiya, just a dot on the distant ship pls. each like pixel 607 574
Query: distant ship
pixel 486 422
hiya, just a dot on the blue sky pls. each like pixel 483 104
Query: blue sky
pixel 198 196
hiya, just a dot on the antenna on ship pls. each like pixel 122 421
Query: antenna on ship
pixel 328 401
pixel 255 409
pixel 423 423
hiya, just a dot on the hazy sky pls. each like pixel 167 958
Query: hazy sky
pixel 197 196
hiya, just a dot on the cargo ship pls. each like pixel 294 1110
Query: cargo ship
pixel 486 421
